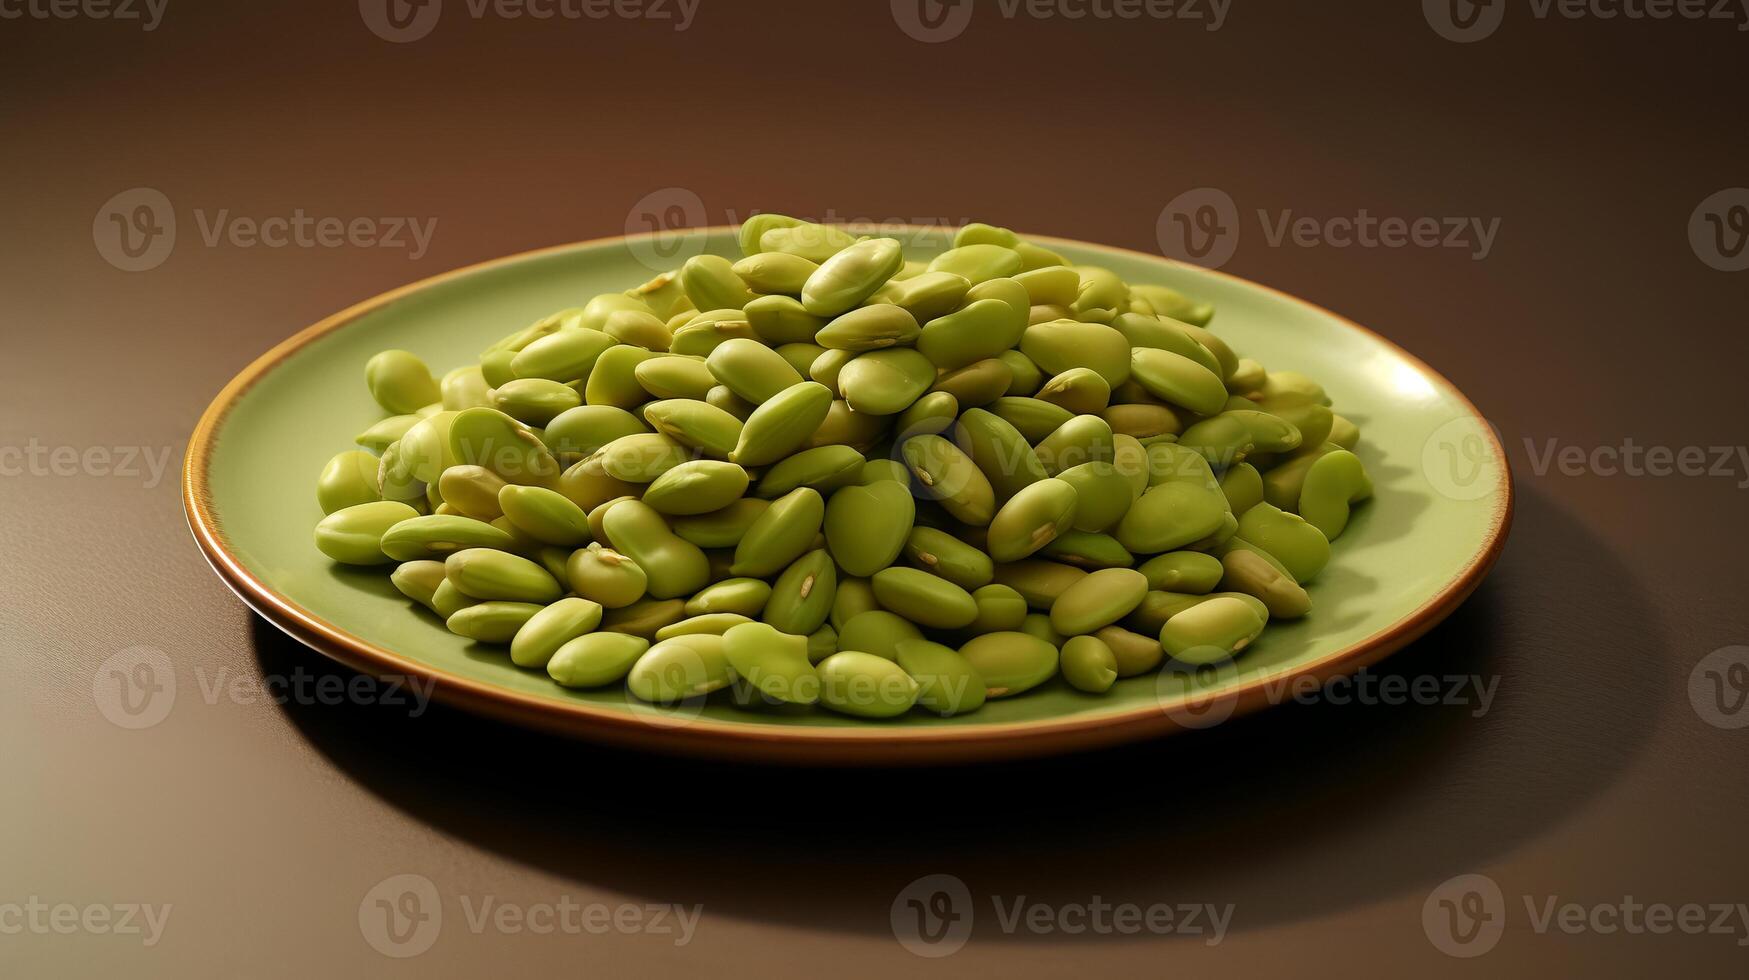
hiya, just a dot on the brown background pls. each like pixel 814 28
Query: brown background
pixel 1593 321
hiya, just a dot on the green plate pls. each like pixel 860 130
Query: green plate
pixel 1409 557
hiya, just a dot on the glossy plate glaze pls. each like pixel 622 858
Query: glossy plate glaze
pixel 1437 522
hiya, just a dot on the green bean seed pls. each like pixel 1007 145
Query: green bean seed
pixel 1088 664
pixel 1010 663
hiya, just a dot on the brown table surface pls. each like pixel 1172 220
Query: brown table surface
pixel 1591 778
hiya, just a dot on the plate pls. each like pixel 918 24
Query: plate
pixel 1437 522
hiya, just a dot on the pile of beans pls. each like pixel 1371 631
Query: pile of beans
pixel 827 474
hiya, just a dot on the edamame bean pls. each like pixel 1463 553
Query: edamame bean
pixel 775 272
pixel 1178 380
pixel 551 628
pixel 824 468
pixel 596 660
pixel 1183 571
pixel 851 275
pixel 606 577
pixel 1099 599
pixel 978 262
pixel 947 683
pixel 922 598
pixel 545 515
pixel 801 598
pixel 1062 345
pixel 742 596
pixel 535 401
pixel 673 566
pixel 720 528
pixel 348 480
pixel 1010 663
pixel 579 432
pixel 876 631
pixel 696 425
pixel 400 382
pixel 782 424
pixel 1088 550
pixel 781 534
pixel 1334 484
pixel 979 330
pixel 1210 632
pixel 495 622
pixel 1255 573
pixel 419 580
pixel 1031 519
pixel 773 662
pixel 1000 609
pixel 354 535
pixel 814 242
pixel 1088 664
pixel 714 623
pixel 866 526
pixel 711 284
pixel 497 575
pixel 1301 548
pixel 940 553
pixel 681 668
pixel 645 617
pixel 697 486
pixel 866 686
pixel 438 537
pixel 1170 516
pixel 1134 653
pixel 885 382
pixel 950 477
